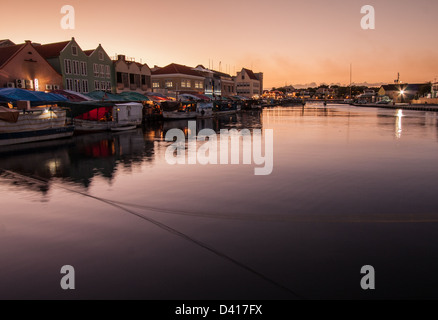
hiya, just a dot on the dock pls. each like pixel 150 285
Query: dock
pixel 417 107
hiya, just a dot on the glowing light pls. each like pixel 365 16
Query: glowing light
pixel 402 92
pixel 398 124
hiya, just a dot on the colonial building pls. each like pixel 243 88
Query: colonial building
pixel 21 66
pixel 81 71
pixel 131 75
pixel 174 79
pixel 248 83
pixel 216 83
pixel 100 68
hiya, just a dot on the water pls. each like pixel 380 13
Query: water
pixel 350 187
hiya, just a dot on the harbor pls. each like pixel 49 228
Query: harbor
pixel 342 183
pixel 214 159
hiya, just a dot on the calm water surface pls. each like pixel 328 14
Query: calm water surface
pixel 350 187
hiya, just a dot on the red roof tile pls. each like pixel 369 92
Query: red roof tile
pixel 51 50
pixel 176 68
pixel 7 52
pixel 89 52
pixel 251 74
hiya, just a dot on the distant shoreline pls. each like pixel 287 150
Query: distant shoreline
pixel 405 106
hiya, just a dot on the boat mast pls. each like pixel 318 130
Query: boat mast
pixel 350 80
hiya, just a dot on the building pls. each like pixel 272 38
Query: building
pixel 21 66
pixel 81 71
pixel 248 84
pixel 390 90
pixel 402 92
pixel 131 75
pixel 174 79
pixel 100 70
pixel 217 83
pixel 6 43
pixel 325 93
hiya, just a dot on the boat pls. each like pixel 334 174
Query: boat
pixel 174 110
pixel 123 128
pixel 33 124
pixel 224 108
pixel 96 117
pixel 204 110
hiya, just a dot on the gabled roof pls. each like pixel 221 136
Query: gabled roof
pixel 89 52
pixel 250 74
pixel 8 52
pixel 6 42
pixel 176 68
pixel 51 50
pixel 222 74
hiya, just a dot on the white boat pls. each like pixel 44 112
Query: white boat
pixel 120 115
pixel 123 128
pixel 93 125
pixel 32 125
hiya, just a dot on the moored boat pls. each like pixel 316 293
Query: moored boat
pixel 37 124
pixel 204 110
pixel 174 110
pixel 95 117
pixel 224 108
pixel 123 128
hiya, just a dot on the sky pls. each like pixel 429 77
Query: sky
pixel 290 41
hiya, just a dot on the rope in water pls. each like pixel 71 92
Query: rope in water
pixel 164 227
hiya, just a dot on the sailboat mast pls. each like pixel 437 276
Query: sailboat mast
pixel 350 80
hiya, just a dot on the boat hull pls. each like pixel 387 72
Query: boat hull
pixel 221 113
pixel 175 115
pixel 10 138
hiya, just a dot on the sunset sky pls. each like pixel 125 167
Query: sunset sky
pixel 293 42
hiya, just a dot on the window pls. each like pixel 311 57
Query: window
pixel 188 83
pixel 143 80
pixel 75 67
pixel 96 85
pixel 85 86
pixel 77 85
pixel 155 84
pixel 125 79
pixel 198 85
pixel 243 76
pixel 131 78
pixel 100 55
pixel 69 84
pixel 183 83
pixel 102 70
pixel 137 80
pixel 168 84
pixel 83 68
pixel 96 69
pixel 108 72
pixel 74 50
pixel 108 86
pixel 102 85
pixel 119 77
pixel 67 66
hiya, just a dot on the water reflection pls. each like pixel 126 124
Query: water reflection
pixel 83 157
pixel 398 123
pixel 78 159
